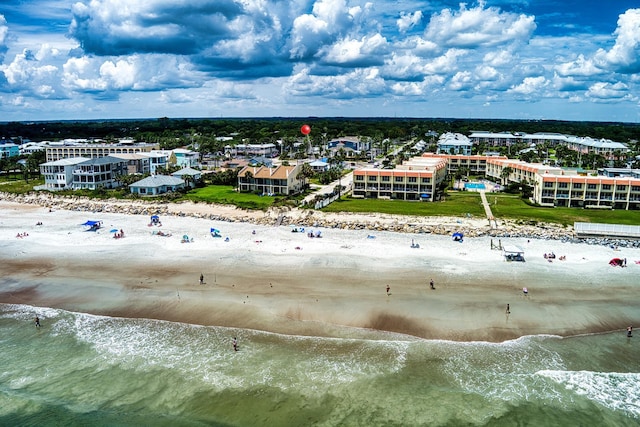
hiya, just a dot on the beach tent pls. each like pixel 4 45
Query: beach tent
pixel 457 236
pixel 215 232
pixel 616 262
pixel 93 225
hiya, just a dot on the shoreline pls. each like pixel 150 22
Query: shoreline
pixel 334 286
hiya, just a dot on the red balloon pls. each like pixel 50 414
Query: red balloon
pixel 305 129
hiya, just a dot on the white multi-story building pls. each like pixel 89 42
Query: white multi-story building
pixel 58 175
pixel 66 149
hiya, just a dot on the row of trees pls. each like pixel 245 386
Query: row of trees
pixel 26 165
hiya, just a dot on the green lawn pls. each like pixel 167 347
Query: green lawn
pixel 503 206
pixel 512 206
pixel 225 194
pixel 19 186
pixel 456 204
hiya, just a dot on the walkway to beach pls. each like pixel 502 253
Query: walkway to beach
pixel 345 181
pixel 487 209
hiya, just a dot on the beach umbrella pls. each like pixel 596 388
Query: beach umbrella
pixel 113 230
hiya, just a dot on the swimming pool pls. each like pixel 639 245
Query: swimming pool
pixel 474 186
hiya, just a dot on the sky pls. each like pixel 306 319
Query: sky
pixel 502 59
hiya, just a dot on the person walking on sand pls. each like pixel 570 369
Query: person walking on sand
pixel 508 309
pixel 432 284
pixel 201 278
pixel 388 289
pixel 37 321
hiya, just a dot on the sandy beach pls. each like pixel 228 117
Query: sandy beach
pixel 280 281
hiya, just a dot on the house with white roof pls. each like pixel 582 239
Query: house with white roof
pixel 454 143
pixel 156 184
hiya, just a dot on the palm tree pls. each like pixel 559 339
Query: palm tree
pixel 505 174
pixel 306 172
pixel 248 175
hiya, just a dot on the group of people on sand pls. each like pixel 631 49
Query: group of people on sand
pixel 118 234
pixel 551 256
pixel 21 235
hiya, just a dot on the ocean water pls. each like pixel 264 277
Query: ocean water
pixel 79 369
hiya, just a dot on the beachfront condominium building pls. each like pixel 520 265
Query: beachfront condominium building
pixel 58 175
pixel 82 173
pixel 66 149
pixel 554 186
pixel 415 179
pixel 100 172
pixel 275 180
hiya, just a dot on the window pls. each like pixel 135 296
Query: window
pixel 426 180
pixel 385 178
pixel 413 179
pixel 563 185
pixel 591 186
pixel 372 178
pixel 577 185
pixel 606 186
pixel 399 179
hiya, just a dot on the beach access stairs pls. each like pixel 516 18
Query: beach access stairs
pixel 487 210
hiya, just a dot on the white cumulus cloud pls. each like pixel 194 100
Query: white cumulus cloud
pixel 624 56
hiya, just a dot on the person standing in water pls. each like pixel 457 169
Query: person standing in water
pixel 37 321
pixel 629 331
pixel 235 344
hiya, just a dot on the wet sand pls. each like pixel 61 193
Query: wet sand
pixel 285 282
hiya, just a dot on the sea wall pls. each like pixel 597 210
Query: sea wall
pixel 310 218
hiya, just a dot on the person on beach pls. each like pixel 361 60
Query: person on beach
pixel 37 321
pixel 629 331
pixel 433 286
pixel 201 278
pixel 388 289
pixel 508 309
pixel 235 344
